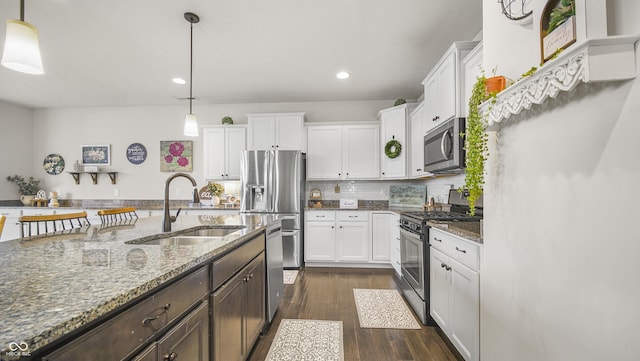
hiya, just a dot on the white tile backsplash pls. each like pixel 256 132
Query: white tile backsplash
pixel 379 190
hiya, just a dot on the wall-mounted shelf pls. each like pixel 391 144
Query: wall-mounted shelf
pixel 94 176
pixel 595 60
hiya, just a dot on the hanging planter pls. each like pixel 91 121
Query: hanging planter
pixel 392 149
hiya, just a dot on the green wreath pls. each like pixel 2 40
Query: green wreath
pixel 393 149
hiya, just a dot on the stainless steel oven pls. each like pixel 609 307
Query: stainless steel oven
pixel 414 263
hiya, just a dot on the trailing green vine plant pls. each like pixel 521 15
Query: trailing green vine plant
pixel 475 143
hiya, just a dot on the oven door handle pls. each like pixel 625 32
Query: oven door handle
pixel 409 234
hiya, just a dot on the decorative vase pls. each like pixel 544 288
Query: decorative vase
pixel 27 200
pixel 215 200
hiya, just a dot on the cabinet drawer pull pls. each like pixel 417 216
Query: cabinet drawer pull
pixel 461 250
pixel 353 216
pixel 170 357
pixel 438 240
pixel 322 216
pixel 147 320
pixel 435 118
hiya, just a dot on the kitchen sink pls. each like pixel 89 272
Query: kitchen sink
pixel 191 238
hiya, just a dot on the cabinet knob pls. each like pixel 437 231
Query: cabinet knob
pixel 443 265
pixel 170 357
pixel 382 173
pixel 448 268
pixel 419 170
pixel 339 174
pixel 332 227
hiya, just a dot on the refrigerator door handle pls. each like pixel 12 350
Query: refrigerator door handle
pixel 290 233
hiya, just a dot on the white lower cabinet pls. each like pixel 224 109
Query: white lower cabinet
pixel 352 236
pixel 455 290
pixel 394 243
pixel 381 233
pixel 337 237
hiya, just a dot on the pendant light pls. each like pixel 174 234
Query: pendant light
pixel 190 123
pixel 21 48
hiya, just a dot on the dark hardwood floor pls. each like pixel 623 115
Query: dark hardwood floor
pixel 326 294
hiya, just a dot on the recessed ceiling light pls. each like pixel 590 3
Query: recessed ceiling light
pixel 179 81
pixel 342 75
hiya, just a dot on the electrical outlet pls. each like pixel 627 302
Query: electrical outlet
pixel 116 192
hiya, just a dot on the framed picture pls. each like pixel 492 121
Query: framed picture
pixel 96 154
pixel 176 155
pixel 557 27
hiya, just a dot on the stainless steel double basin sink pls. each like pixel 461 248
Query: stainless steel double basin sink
pixel 190 238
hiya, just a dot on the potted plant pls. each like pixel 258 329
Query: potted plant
pixel 27 188
pixel 475 142
pixel 216 190
pixel 496 83
pixel 227 120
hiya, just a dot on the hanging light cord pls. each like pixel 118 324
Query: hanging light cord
pixel 191 72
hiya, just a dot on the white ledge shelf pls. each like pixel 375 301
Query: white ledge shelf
pixel 595 60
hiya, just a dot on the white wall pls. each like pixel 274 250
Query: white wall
pixel 560 256
pixel 63 131
pixel 17 136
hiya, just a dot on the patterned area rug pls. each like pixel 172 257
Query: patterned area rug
pixel 290 276
pixel 383 309
pixel 307 340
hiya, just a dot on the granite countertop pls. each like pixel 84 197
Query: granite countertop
pixel 53 285
pixel 467 230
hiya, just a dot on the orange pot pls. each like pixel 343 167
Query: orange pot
pixel 496 84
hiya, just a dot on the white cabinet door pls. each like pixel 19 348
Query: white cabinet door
pixel 465 310
pixel 361 152
pixel 235 144
pixel 282 131
pixel 472 69
pixel 381 236
pixel 353 241
pixel 262 132
pixel 431 98
pixel 319 241
pixel 439 288
pixel 417 142
pixel 324 152
pixel 288 132
pixel 394 127
pixel 213 152
pixel 222 148
pixel 394 244
pixel 447 87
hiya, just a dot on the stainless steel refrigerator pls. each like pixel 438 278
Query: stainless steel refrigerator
pixel 273 182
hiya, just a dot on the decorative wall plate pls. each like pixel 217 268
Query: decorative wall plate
pixel 53 164
pixel 136 153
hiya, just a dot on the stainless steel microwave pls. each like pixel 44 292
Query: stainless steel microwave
pixel 444 147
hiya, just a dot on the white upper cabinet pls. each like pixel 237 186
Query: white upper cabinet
pixel 393 126
pixel 472 68
pixel 443 86
pixel 277 131
pixel 343 151
pixel 416 154
pixel 222 149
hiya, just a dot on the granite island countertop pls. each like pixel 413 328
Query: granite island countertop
pixel 54 285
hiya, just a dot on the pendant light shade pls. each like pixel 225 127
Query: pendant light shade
pixel 190 122
pixel 190 125
pixel 21 47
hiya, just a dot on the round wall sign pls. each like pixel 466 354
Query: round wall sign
pixel 53 164
pixel 136 153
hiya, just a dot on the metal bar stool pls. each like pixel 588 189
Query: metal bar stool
pixel 52 223
pixel 117 214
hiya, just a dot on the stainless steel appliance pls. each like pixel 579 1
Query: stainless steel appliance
pixel 273 183
pixel 444 148
pixel 275 278
pixel 414 250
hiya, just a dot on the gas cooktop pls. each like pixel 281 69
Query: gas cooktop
pixel 440 216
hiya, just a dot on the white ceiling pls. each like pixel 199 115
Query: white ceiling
pixel 125 52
